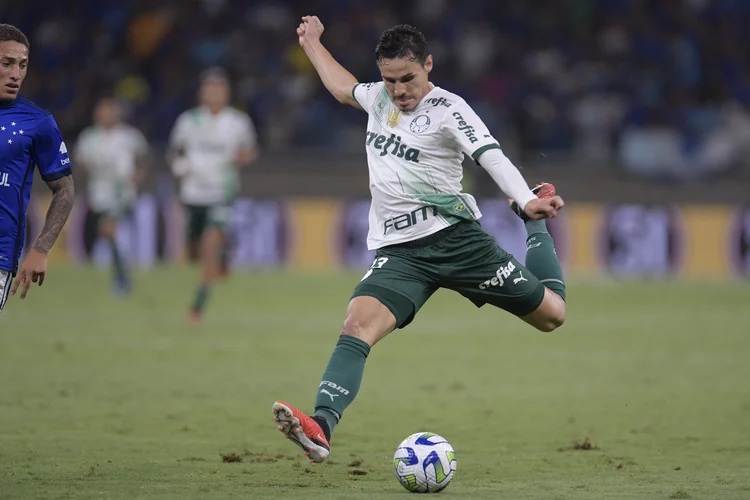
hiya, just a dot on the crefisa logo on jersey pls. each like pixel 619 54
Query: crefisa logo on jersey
pixel 438 101
pixel 399 150
pixel 420 124
pixel 464 127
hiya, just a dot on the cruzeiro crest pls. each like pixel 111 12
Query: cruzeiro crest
pixel 420 124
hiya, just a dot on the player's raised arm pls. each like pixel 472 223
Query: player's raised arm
pixel 335 77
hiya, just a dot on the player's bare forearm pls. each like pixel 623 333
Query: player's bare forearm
pixel 245 157
pixel 334 76
pixel 63 197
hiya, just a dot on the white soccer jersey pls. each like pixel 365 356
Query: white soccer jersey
pixel 110 157
pixel 415 162
pixel 210 144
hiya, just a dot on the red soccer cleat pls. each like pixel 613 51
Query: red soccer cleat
pixel 302 430
pixel 542 191
pixel 195 318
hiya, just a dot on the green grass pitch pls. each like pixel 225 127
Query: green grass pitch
pixel 119 399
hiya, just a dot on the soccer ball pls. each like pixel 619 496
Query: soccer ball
pixel 424 463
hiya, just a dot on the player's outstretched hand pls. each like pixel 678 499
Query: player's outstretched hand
pixel 309 30
pixel 32 270
pixel 544 209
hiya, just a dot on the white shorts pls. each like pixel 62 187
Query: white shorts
pixel 6 278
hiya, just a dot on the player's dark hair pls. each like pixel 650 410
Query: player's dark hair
pixel 9 33
pixel 402 41
pixel 214 73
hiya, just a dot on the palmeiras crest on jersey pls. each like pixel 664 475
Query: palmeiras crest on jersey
pixel 420 124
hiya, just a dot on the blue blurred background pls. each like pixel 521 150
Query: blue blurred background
pixel 618 102
pixel 662 88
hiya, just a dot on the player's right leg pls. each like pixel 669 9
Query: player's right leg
pixel 6 279
pixel 215 220
pixel 195 224
pixel 542 262
pixel 210 247
pixel 389 295
pixel 197 217
pixel 367 322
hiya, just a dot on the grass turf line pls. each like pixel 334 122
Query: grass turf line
pixel 107 398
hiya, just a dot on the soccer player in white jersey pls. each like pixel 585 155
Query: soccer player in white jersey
pixel 423 228
pixel 114 154
pixel 208 145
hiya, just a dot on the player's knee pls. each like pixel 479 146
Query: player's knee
pixel 367 319
pixel 553 322
pixel 369 332
pixel 352 327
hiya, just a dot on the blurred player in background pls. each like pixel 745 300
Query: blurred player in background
pixel 208 144
pixel 28 136
pixel 423 227
pixel 114 155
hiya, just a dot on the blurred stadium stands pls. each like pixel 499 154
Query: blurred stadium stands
pixel 615 101
pixel 661 88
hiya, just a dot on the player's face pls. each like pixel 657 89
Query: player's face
pixel 106 113
pixel 406 80
pixel 14 60
pixel 214 94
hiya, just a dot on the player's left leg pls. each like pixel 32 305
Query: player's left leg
pixel 107 229
pixel 480 270
pixel 224 255
pixel 6 279
pixel 542 262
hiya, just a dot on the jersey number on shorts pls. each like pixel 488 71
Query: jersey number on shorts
pixel 376 264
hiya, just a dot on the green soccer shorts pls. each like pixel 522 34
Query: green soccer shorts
pixel 201 217
pixel 462 258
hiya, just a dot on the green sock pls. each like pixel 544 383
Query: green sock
pixel 121 272
pixel 201 296
pixel 341 379
pixel 224 255
pixel 541 258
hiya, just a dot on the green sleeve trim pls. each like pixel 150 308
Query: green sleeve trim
pixel 354 96
pixel 476 154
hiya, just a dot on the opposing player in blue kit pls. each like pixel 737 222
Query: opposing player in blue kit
pixel 29 137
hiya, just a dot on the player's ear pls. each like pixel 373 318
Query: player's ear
pixel 428 63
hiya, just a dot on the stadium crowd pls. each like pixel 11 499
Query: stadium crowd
pixel 662 87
